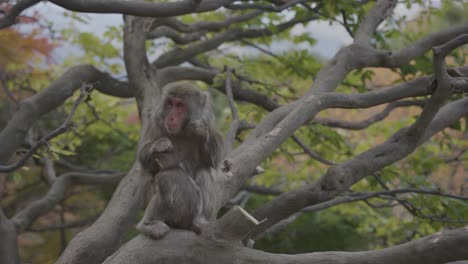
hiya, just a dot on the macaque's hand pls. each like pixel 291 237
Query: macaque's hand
pixel 156 154
pixel 162 145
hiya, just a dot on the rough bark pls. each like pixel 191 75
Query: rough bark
pixel 181 247
pixel 103 237
pixel 8 242
pixel 138 8
pixel 30 110
pixel 98 241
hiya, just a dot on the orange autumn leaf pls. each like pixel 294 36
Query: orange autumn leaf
pixel 20 48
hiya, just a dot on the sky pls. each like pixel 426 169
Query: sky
pixel 330 38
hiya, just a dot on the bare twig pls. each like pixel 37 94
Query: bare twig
pixel 355 197
pixel 309 152
pixel 232 132
pixel 369 121
pixel 84 90
pixel 277 57
pixel 407 205
pixel 345 23
pixel 109 124
pixel 232 105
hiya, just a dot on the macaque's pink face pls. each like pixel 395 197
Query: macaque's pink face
pixel 176 110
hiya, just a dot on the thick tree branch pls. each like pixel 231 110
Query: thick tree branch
pixel 232 132
pixel 56 193
pixel 269 8
pixel 185 247
pixel 85 88
pixel 174 23
pixel 179 73
pixel 219 25
pixel 264 143
pixel 106 84
pixel 355 197
pixel 447 115
pixel 10 17
pixel 101 239
pixel 381 10
pixel 49 171
pixel 31 109
pixel 94 244
pixel 417 87
pixel 177 37
pixel 141 75
pixel 339 178
pixel 8 242
pixel 359 56
pixel 178 56
pixel 358 125
pixel 262 190
pixel 170 27
pixel 392 59
pixel 421 86
pixel 143 9
pixel 136 60
pixel 444 82
pixel 256 143
pixel 353 56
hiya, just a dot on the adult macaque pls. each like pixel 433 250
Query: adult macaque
pixel 186 119
pixel 177 200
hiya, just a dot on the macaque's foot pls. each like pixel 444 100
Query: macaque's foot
pixel 198 224
pixel 162 145
pixel 155 230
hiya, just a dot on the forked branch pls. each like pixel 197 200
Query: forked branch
pixel 340 177
pixel 84 90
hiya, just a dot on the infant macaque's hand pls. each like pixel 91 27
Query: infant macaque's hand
pixel 162 145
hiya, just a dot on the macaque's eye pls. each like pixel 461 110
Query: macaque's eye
pixel 179 104
pixel 170 103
